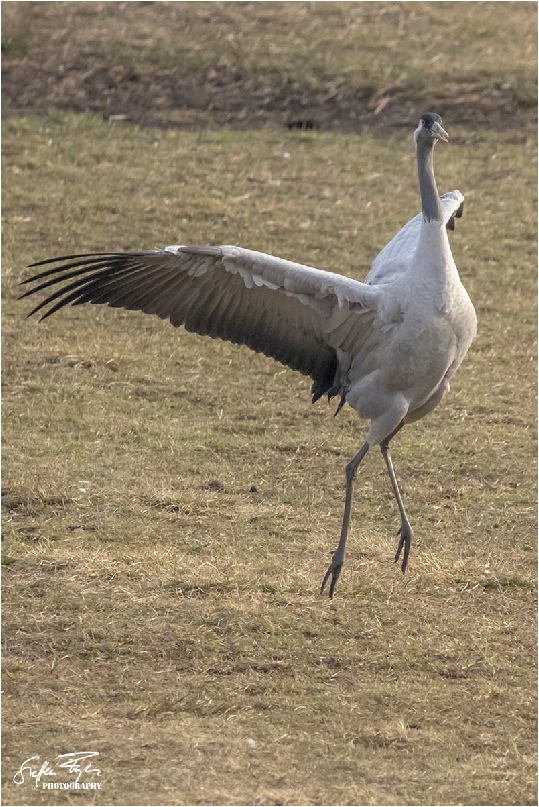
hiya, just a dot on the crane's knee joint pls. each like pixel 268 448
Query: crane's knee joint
pixel 351 471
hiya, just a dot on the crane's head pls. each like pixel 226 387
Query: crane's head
pixel 430 129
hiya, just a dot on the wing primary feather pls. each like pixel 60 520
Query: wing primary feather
pixel 160 297
pixel 88 261
pixel 76 288
pixel 96 275
pixel 91 278
pixel 59 278
pixel 132 287
pixel 85 256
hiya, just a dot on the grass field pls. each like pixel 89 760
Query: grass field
pixel 170 501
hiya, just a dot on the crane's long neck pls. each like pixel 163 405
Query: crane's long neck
pixel 433 261
pixel 430 201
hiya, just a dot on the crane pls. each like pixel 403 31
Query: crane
pixel 388 347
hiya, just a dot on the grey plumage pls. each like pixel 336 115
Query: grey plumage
pixel 388 346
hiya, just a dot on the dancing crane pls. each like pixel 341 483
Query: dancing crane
pixel 388 347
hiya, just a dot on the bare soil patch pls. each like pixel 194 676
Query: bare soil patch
pixel 221 96
pixel 242 65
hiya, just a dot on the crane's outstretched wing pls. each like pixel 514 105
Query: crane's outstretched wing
pixel 276 307
pixel 395 257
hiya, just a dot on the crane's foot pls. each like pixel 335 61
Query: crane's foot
pixel 334 569
pixel 405 541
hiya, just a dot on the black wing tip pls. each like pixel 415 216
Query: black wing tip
pixel 61 258
pixel 34 311
pixel 91 255
pixel 84 261
pixel 61 261
pixel 456 215
pixel 324 378
pixel 88 269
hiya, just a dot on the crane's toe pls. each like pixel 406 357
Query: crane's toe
pixel 334 569
pixel 405 541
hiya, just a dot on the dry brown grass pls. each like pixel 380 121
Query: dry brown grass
pixel 340 65
pixel 158 610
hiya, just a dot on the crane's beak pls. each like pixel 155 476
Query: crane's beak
pixel 439 133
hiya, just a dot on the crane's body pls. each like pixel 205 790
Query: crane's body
pixel 388 346
pixel 414 349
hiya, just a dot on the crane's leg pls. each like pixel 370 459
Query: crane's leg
pixel 334 568
pixel 405 531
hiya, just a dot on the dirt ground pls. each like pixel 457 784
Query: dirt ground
pixel 165 98
pixel 152 89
